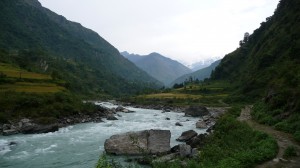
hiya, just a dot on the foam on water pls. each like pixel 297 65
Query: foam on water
pixel 80 145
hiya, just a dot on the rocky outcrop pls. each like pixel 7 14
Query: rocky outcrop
pixel 138 143
pixel 186 136
pixel 196 111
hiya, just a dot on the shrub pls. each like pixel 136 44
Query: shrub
pixel 290 151
pixel 297 136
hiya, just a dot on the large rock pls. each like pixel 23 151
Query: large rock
pixel 185 150
pixel 159 141
pixel 139 143
pixel 197 141
pixel 187 135
pixel 196 111
pixel 201 125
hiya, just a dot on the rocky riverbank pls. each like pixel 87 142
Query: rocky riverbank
pixel 35 126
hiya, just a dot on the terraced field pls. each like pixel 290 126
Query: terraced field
pixel 211 94
pixel 15 79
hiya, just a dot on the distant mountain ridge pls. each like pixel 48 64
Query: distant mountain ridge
pixel 199 74
pixel 201 64
pixel 87 62
pixel 160 67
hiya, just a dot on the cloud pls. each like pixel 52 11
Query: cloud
pixel 182 29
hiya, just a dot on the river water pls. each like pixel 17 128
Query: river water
pixel 80 146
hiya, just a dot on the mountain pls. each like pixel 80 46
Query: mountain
pixel 266 67
pixel 199 74
pixel 201 64
pixel 87 62
pixel 161 68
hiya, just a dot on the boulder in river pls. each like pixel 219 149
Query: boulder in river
pixel 111 117
pixel 201 125
pixel 139 143
pixel 196 111
pixel 178 124
pixel 187 135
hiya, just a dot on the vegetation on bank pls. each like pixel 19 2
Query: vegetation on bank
pixel 233 144
pixel 41 107
pixel 279 118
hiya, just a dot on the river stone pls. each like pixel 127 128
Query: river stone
pixel 185 150
pixel 37 129
pixel 197 141
pixel 187 135
pixel 196 111
pixel 111 117
pixel 178 124
pixel 139 143
pixel 201 125
pixel 9 132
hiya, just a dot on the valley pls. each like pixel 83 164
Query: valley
pixel 65 91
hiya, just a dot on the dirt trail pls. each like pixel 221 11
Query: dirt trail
pixel 283 140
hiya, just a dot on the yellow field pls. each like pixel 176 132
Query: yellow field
pixel 32 87
pixel 15 72
pixel 171 95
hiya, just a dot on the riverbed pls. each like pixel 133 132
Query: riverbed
pixel 81 145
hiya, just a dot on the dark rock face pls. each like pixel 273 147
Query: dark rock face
pixel 187 135
pixel 196 111
pixel 138 143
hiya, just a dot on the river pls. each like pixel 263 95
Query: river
pixel 81 145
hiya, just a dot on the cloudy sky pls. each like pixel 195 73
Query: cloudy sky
pixel 185 30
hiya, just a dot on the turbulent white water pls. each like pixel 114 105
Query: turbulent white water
pixel 81 145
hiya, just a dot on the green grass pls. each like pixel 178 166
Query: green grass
pixel 278 118
pixel 290 151
pixel 233 144
pixel 14 79
pixel 31 87
pixel 15 72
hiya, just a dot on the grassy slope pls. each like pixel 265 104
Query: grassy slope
pixel 15 79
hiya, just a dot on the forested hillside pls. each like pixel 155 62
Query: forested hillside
pixel 267 65
pixel 36 39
